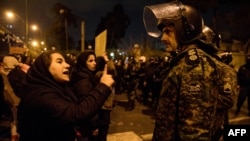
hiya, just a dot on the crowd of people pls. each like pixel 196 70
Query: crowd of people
pixel 61 99
pixel 51 73
pixel 143 76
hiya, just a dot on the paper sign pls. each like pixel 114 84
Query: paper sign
pixel 100 43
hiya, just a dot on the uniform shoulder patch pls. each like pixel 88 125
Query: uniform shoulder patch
pixel 192 57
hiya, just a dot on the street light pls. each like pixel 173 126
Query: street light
pixel 82 35
pixel 35 43
pixel 36 28
pixel 62 11
pixel 40 42
pixel 11 15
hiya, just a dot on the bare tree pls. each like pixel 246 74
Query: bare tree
pixel 116 22
pixel 59 30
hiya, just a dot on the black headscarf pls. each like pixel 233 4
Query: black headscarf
pixel 39 76
pixel 83 57
pixel 80 70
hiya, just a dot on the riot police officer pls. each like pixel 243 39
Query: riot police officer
pixel 191 89
pixel 130 82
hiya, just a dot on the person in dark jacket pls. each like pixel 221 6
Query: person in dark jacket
pixel 118 82
pixel 104 112
pixel 5 112
pixel 243 77
pixel 148 83
pixel 83 76
pixel 130 79
pixel 49 110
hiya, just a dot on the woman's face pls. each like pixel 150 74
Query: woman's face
pixel 90 63
pixel 59 68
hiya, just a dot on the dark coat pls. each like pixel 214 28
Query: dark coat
pixel 83 78
pixel 243 75
pixel 49 111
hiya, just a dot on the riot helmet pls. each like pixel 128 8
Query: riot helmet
pixel 226 57
pixel 142 59
pixel 187 20
pixel 209 40
pixel 208 35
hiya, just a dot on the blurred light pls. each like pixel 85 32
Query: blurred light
pixel 12 15
pixel 9 14
pixel 61 11
pixel 34 43
pixel 112 54
pixel 34 27
pixel 136 46
pixel 53 48
pixel 89 47
pixel 9 26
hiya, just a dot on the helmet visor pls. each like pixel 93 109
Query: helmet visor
pixel 159 14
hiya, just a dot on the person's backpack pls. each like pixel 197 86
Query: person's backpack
pixel 16 79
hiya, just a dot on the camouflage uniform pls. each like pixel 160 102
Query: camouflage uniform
pixel 130 78
pixel 196 92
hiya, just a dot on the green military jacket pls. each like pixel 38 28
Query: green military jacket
pixel 196 92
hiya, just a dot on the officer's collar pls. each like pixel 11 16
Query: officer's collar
pixel 185 48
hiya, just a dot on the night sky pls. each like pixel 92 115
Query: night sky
pixel 90 10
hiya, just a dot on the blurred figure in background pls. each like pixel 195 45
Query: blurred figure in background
pixel 213 42
pixel 141 71
pixel 104 112
pixel 227 58
pixel 82 82
pixel 130 82
pixel 119 70
pixel 243 76
pixel 9 64
pixel 5 112
pixel 148 82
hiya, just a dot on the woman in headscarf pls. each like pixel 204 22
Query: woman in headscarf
pixel 104 112
pixel 83 76
pixel 49 110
